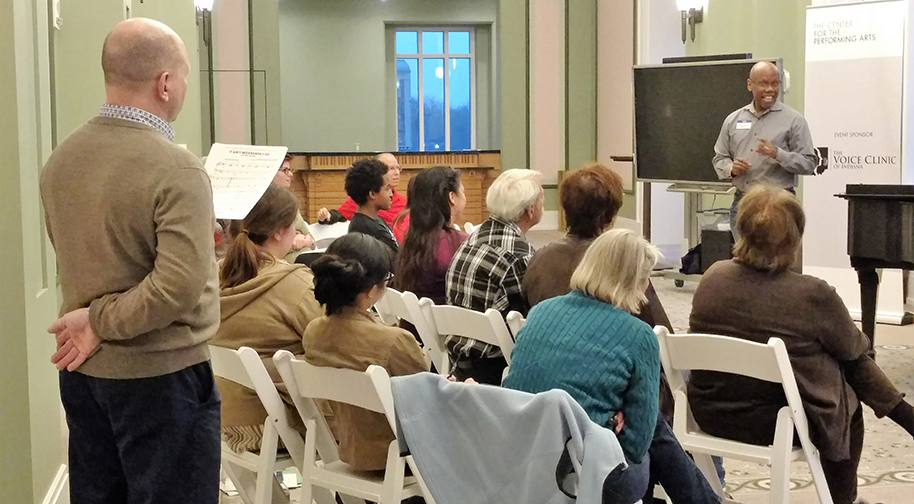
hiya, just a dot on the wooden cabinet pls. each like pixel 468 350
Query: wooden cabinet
pixel 319 176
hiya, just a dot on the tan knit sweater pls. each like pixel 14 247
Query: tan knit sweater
pixel 267 313
pixel 130 215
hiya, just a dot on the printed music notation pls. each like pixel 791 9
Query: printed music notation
pixel 239 175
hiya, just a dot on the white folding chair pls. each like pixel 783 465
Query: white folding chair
pixel 244 367
pixel 324 234
pixel 681 352
pixel 515 322
pixel 488 327
pixel 370 390
pixel 469 227
pixel 228 364
pixel 395 305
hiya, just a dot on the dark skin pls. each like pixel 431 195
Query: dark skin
pixel 764 84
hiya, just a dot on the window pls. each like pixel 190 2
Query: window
pixel 435 89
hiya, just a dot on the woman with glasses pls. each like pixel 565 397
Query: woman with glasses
pixel 303 239
pixel 348 280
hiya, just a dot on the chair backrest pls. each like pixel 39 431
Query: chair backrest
pixel 469 227
pixel 768 362
pixel 369 389
pixel 515 322
pixel 227 364
pixel 405 306
pixel 488 327
pixel 324 234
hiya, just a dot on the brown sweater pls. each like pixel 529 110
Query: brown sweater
pixel 353 339
pixel 130 215
pixel 736 300
pixel 267 313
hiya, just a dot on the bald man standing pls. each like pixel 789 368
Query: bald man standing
pixel 765 142
pixel 130 215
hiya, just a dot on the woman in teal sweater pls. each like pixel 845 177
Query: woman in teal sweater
pixel 589 344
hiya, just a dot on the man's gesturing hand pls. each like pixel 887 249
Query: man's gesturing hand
pixel 740 165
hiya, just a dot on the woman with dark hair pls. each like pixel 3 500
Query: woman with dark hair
pixel 436 200
pixel 754 297
pixel 348 280
pixel 591 196
pixel 266 304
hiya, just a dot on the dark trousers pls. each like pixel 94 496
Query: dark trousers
pixel 143 441
pixel 665 463
pixel 673 469
pixel 486 370
pixel 841 475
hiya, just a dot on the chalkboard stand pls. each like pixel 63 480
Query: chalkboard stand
pixel 694 209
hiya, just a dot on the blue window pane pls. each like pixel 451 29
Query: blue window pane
pixel 433 42
pixel 433 103
pixel 408 104
pixel 407 42
pixel 458 42
pixel 459 98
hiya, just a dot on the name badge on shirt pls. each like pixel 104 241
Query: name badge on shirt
pixel 743 125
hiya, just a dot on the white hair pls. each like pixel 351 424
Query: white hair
pixel 512 193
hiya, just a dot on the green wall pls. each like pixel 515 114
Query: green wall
pixel 79 88
pixel 767 29
pixel 338 84
pixel 15 446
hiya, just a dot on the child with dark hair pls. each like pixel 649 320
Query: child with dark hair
pixel 266 304
pixel 368 184
pixel 348 279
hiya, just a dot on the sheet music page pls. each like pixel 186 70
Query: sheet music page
pixel 240 174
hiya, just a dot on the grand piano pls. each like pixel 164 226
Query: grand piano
pixel 880 234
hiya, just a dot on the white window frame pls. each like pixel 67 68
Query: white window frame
pixel 446 56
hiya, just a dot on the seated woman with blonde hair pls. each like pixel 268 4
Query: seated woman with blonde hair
pixel 266 304
pixel 588 343
pixel 755 297
pixel 348 280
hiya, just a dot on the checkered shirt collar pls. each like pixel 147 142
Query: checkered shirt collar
pixel 139 115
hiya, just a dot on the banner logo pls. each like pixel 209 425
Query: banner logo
pixel 821 160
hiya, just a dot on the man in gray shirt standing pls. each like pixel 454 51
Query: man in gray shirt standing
pixel 765 142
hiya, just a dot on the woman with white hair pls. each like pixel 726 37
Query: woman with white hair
pixel 588 343
pixel 488 268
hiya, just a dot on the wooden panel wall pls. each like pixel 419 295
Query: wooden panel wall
pixel 318 180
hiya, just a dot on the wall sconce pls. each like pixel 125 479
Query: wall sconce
pixel 692 12
pixel 204 5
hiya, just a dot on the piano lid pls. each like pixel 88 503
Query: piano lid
pixel 897 192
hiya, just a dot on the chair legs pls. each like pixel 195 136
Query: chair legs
pixel 780 463
pixel 393 484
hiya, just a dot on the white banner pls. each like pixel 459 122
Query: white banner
pixel 854 71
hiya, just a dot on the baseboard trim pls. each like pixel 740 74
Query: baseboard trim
pixel 59 493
